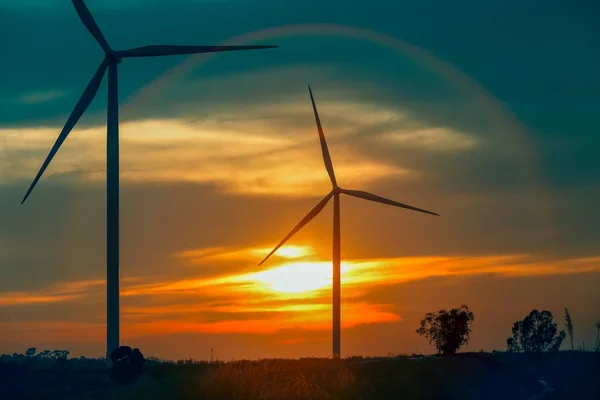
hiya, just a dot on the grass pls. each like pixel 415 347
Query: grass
pixel 573 375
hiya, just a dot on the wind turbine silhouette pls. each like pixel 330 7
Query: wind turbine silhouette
pixel 111 59
pixel 335 193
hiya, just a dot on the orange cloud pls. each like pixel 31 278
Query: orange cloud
pixel 398 270
pixel 250 307
pixel 434 139
pixel 312 279
pixel 59 292
pixel 203 152
pixel 245 254
pixel 293 295
pixel 242 148
pixel 18 298
pixel 273 291
pixel 292 318
pixel 57 331
pixel 291 280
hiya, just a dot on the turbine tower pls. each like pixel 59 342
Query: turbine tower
pixel 335 193
pixel 112 58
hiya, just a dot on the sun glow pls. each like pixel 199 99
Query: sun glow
pixel 288 251
pixel 298 277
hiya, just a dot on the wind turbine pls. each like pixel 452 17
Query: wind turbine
pixel 111 60
pixel 335 193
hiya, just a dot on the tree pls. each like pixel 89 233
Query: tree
pixel 447 330
pixel 30 352
pixel 569 326
pixel 60 354
pixel 127 364
pixel 535 334
pixel 153 360
pixel 44 354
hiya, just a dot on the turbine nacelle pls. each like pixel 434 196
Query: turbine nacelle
pixel 113 57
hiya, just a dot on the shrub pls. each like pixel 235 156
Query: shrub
pixel 536 333
pixel 447 330
pixel 127 364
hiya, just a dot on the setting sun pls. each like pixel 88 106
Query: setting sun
pixel 288 251
pixel 298 277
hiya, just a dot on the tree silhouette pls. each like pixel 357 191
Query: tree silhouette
pixel 44 354
pixel 569 326
pixel 60 354
pixel 535 334
pixel 127 364
pixel 447 330
pixel 30 352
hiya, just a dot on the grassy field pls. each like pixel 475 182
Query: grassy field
pixel 572 375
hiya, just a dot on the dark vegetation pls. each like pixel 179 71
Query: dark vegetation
pixel 536 333
pixel 569 326
pixel 448 331
pixel 127 365
pixel 532 367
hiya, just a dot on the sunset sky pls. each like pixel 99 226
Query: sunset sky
pixel 484 112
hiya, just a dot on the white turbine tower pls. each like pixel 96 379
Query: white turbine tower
pixel 111 60
pixel 335 193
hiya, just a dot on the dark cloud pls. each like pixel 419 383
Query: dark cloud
pixel 555 96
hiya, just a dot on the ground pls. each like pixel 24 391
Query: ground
pixel 570 375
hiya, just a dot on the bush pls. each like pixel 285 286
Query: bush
pixel 447 330
pixel 536 333
pixel 127 364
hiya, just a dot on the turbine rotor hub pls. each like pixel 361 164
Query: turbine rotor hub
pixel 113 57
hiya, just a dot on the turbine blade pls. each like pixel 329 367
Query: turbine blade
pixel 326 156
pixel 173 50
pixel 82 104
pixel 90 24
pixel 379 199
pixel 312 213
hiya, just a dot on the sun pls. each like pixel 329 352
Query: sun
pixel 287 251
pixel 297 277
pixel 294 276
pixel 294 251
